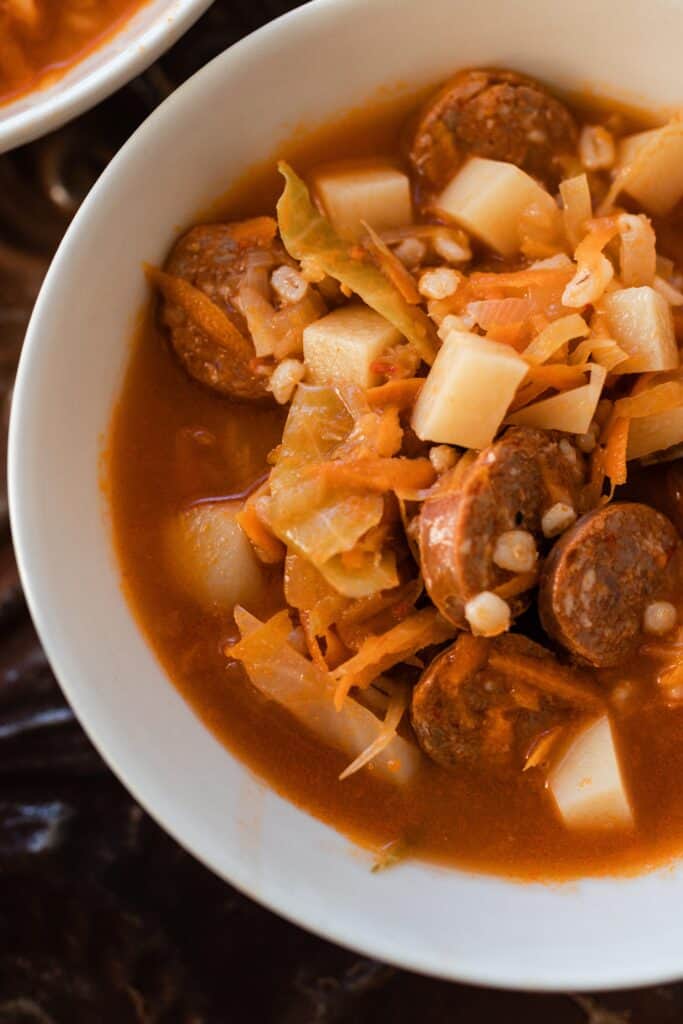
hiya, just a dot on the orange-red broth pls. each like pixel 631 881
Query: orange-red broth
pixel 173 442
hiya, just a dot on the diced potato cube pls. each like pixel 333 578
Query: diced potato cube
pixel 586 783
pixel 488 197
pixel 350 193
pixel 571 411
pixel 641 322
pixel 651 167
pixel 343 345
pixel 211 557
pixel 468 391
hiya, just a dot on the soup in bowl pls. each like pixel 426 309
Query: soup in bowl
pixel 367 496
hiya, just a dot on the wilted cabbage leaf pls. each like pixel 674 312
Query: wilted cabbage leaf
pixel 315 519
pixel 307 234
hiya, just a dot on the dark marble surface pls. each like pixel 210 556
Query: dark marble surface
pixel 103 918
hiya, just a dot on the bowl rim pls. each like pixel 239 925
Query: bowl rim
pixel 270 894
pixel 59 103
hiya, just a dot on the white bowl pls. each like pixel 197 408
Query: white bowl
pixel 151 31
pixel 595 933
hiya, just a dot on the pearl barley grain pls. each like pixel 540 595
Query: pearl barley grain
pixel 439 283
pixel 442 457
pixel 515 551
pixel 487 614
pixel 557 519
pixel 660 617
pixel 284 379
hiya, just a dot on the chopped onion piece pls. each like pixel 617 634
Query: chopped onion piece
pixel 553 337
pixel 650 168
pixel 398 703
pixel 500 312
pixel 571 411
pixel 638 253
pixel 578 207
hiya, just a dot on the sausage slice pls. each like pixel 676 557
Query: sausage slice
pixel 496 114
pixel 488 702
pixel 214 259
pixel 508 486
pixel 600 577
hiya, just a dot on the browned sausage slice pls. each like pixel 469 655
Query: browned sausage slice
pixel 507 487
pixel 489 701
pixel 600 577
pixel 214 258
pixel 496 114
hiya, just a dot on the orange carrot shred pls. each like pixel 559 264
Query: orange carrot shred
pixel 268 548
pixel 615 450
pixel 391 267
pixel 378 474
pixel 209 317
pixel 401 393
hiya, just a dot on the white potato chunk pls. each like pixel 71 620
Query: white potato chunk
pixel 650 167
pixel 342 346
pixel 350 193
pixel 570 411
pixel 468 391
pixel 211 557
pixel 488 197
pixel 641 322
pixel 586 783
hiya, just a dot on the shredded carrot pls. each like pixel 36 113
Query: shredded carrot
pixel 400 393
pixel 526 394
pixel 591 494
pixel 541 747
pixel 391 266
pixel 268 548
pixel 508 334
pixel 256 231
pixel 557 376
pixel 546 675
pixel 600 231
pixel 335 650
pixel 471 653
pixel 378 475
pixel 647 402
pixel 379 653
pixel 484 283
pixel 209 317
pixel 312 642
pixel 517 585
pixel 616 446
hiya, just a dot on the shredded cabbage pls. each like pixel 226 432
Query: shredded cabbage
pixel 287 677
pixel 307 234
pixel 379 653
pixel 316 520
